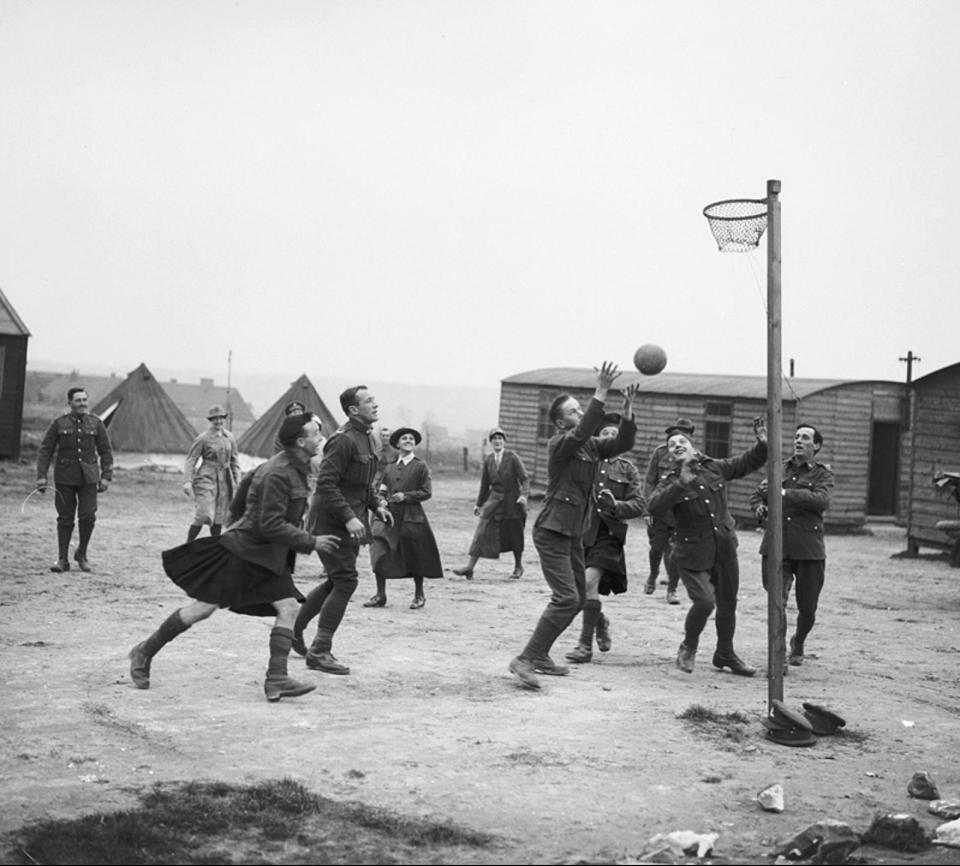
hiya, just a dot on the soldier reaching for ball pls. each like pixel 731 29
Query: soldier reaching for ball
pixel 572 457
pixel 694 493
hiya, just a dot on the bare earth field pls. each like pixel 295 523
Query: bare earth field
pixel 430 722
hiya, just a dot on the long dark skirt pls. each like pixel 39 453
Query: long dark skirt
pixel 206 571
pixel 493 537
pixel 606 553
pixel 405 550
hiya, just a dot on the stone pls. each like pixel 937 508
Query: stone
pixel 949 810
pixel 771 798
pixel 948 834
pixel 923 787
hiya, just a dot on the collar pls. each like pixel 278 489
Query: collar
pixel 406 458
pixel 358 425
pixel 301 464
pixel 796 461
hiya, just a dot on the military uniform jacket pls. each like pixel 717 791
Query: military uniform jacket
pixel 807 488
pixel 501 487
pixel 661 462
pixel 706 532
pixel 344 488
pixel 268 532
pixel 83 451
pixel 620 477
pixel 572 458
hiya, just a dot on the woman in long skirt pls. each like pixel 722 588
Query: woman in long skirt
pixel 408 548
pixel 212 471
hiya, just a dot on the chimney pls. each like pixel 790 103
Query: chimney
pixel 206 383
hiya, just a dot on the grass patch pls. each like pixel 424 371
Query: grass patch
pixel 726 728
pixel 218 823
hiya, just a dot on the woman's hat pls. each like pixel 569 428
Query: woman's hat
pixel 395 436
pixel 216 411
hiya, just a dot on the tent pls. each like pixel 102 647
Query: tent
pixel 140 417
pixel 259 439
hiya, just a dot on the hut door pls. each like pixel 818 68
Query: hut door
pixel 884 468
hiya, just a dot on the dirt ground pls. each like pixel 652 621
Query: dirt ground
pixel 430 722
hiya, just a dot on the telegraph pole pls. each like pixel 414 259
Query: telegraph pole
pixel 908 360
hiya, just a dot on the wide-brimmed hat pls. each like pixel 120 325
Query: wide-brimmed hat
pixel 216 411
pixel 402 431
pixel 681 425
pixel 496 431
pixel 611 419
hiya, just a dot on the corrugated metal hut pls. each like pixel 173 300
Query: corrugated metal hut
pixel 932 446
pixel 260 438
pixel 861 421
pixel 142 418
pixel 13 373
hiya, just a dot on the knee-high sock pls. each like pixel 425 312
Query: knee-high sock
pixel 281 640
pixel 193 532
pixel 591 614
pixel 172 626
pixel 418 586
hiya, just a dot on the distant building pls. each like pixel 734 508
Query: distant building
pixel 932 445
pixel 192 400
pixel 862 423
pixel 13 370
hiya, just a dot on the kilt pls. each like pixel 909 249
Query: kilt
pixel 606 553
pixel 206 571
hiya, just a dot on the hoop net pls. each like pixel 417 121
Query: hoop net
pixel 737 223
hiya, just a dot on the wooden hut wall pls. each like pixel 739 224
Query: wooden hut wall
pixel 522 410
pixel 845 416
pixel 935 441
pixel 13 372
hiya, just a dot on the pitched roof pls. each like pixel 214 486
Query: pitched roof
pixel 696 384
pixel 10 322
pixel 140 416
pixel 260 438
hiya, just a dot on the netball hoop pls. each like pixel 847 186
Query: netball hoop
pixel 737 223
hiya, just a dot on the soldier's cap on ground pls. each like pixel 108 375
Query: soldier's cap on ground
pixel 788 736
pixel 784 717
pixel 823 721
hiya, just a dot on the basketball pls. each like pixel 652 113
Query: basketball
pixel 650 359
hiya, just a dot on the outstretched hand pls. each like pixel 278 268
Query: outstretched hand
pixel 606 375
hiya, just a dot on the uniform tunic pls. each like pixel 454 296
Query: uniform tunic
pixel 250 565
pixel 606 533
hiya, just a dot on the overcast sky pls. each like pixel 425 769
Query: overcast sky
pixel 451 192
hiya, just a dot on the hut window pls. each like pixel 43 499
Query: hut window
pixel 3 351
pixel 716 429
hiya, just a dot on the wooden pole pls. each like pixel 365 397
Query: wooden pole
pixel 776 615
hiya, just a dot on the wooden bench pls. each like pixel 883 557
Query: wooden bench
pixel 952 528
